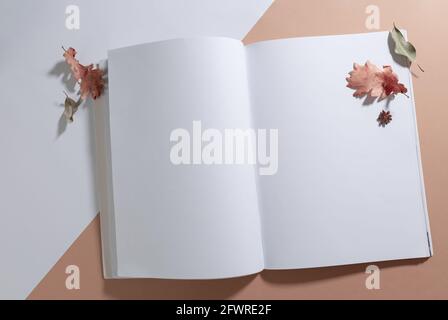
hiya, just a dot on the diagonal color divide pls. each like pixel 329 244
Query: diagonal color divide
pixel 402 279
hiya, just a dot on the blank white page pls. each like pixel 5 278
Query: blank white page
pixel 346 191
pixel 180 221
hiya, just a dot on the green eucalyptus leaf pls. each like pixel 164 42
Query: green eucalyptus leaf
pixel 70 107
pixel 403 47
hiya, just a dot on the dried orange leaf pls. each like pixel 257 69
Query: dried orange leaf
pixel 92 83
pixel 390 83
pixel 364 79
pixel 372 81
pixel 90 79
pixel 78 70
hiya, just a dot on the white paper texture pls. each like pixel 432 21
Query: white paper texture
pixel 183 221
pixel 347 191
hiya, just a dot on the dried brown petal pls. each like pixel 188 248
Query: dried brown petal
pixel 384 118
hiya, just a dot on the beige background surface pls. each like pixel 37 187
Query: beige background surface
pixel 427 28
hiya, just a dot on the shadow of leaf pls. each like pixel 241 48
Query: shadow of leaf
pixel 388 101
pixel 62 125
pixel 369 100
pixel 62 70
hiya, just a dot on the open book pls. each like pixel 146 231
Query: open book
pixel 308 178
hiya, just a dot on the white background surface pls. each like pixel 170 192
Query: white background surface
pixel 47 190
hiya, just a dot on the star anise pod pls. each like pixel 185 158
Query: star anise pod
pixel 384 118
